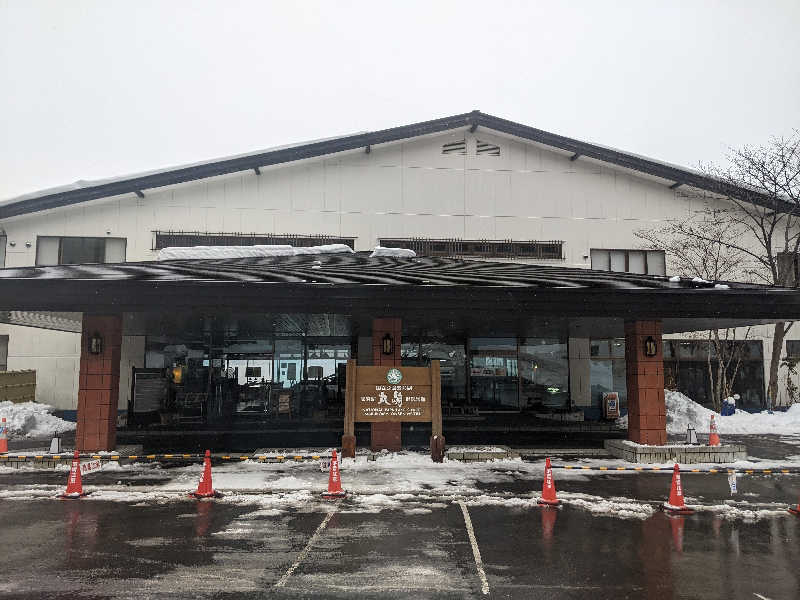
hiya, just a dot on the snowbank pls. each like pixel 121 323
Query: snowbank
pixel 217 252
pixel 32 420
pixel 682 411
pixel 392 252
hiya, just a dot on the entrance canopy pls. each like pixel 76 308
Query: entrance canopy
pixel 593 303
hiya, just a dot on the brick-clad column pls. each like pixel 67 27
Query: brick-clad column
pixel 647 420
pixel 386 435
pixel 98 391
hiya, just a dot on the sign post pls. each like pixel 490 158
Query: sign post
pixel 393 394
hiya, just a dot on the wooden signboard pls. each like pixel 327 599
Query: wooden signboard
pixel 381 394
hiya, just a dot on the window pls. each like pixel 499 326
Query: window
pixel 52 250
pixel 2 251
pixel 3 352
pixel 168 239
pixel 686 369
pixel 793 349
pixel 481 248
pixel 644 262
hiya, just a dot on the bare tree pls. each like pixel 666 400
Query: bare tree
pixel 759 223
pixel 710 258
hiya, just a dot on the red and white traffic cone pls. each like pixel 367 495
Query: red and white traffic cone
pixel 795 510
pixel 676 505
pixel 205 489
pixel 3 437
pixel 713 436
pixel 548 486
pixel 74 485
pixel 335 490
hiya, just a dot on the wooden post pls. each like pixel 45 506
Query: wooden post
pixel 349 437
pixel 437 439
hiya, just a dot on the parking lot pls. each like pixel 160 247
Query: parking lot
pixel 410 545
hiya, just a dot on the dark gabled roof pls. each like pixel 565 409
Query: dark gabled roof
pixel 352 282
pixel 85 191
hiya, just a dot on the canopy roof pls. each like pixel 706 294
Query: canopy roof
pixel 357 284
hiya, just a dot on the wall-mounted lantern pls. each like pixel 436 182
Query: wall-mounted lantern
pixel 96 343
pixel 650 347
pixel 388 344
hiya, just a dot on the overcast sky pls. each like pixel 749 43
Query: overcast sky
pixel 94 89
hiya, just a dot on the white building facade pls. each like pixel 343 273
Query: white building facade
pixel 472 190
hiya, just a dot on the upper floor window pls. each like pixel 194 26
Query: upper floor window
pixel 480 248
pixel 171 239
pixel 54 250
pixel 645 262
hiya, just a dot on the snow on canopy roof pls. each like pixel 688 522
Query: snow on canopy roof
pixel 332 265
pixel 221 252
pixel 83 191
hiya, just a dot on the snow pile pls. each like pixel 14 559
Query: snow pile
pixel 682 411
pixel 32 420
pixel 392 252
pixel 217 252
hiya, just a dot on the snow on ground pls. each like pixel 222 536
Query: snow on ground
pixel 32 420
pixel 682 411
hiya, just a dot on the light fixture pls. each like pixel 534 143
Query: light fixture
pixel 96 343
pixel 650 347
pixel 388 344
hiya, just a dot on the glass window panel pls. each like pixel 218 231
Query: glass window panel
pixel 544 374
pixel 656 262
pixel 3 241
pixel 115 250
pixel 494 381
pixel 47 250
pixel 600 260
pixel 636 262
pixel 76 251
pixel 617 261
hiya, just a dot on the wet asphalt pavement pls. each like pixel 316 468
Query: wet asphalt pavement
pixel 188 549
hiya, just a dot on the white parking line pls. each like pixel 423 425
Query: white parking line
pixel 304 553
pixel 475 551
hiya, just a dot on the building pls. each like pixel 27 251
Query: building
pixel 470 186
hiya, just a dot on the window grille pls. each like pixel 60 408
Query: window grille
pixel 455 247
pixel 167 239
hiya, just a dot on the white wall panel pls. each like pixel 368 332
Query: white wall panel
pixel 433 191
pixel 371 190
pixel 479 228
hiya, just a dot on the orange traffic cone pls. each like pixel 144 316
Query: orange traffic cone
pixel 205 489
pixel 676 505
pixel 335 490
pixel 3 437
pixel 795 511
pixel 713 436
pixel 548 486
pixel 74 485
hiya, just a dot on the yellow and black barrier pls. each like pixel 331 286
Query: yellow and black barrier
pixel 669 470
pixel 280 458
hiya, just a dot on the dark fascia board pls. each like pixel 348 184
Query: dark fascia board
pixel 137 184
